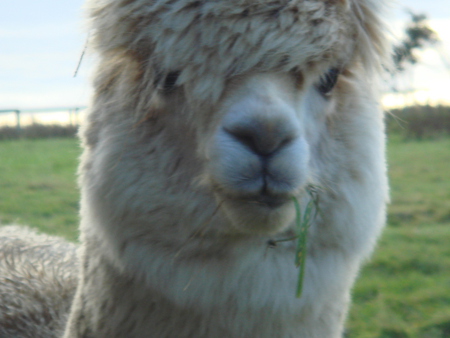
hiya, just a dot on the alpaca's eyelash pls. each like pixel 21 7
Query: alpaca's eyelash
pixel 328 81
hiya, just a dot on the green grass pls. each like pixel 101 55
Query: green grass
pixel 420 182
pixel 405 289
pixel 38 184
pixel 403 292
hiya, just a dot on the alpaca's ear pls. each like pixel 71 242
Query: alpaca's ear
pixel 371 32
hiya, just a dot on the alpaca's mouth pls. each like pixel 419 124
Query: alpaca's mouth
pixel 263 213
pixel 268 200
pixel 263 199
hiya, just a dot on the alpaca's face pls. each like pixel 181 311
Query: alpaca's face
pixel 232 95
pixel 259 153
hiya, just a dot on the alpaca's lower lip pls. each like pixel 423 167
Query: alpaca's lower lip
pixel 269 201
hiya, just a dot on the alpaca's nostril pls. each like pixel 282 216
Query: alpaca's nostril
pixel 247 138
pixel 262 139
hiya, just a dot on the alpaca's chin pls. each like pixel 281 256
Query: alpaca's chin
pixel 259 216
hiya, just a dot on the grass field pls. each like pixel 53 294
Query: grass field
pixel 403 292
pixel 38 184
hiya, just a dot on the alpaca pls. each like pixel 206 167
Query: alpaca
pixel 38 278
pixel 208 118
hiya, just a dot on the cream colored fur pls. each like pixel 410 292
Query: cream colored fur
pixel 184 185
pixel 38 278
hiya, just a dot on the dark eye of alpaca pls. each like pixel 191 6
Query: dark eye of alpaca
pixel 170 81
pixel 328 81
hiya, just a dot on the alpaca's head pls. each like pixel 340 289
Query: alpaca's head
pixel 259 88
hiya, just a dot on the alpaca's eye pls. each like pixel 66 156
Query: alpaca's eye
pixel 328 81
pixel 170 81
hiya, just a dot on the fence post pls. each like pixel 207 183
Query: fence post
pixel 70 117
pixel 18 127
pixel 77 117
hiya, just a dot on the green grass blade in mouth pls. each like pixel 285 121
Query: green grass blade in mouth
pixel 302 225
pixel 300 253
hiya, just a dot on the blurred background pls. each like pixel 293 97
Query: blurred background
pixel 404 291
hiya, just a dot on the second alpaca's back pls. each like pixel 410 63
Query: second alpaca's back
pixel 38 278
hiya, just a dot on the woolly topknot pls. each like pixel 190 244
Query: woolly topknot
pixel 208 42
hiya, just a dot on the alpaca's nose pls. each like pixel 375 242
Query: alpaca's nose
pixel 263 136
pixel 260 153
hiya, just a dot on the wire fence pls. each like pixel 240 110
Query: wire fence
pixel 19 118
pixel 40 123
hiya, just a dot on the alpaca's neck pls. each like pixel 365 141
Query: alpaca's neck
pixel 114 303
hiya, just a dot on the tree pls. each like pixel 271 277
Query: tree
pixel 418 35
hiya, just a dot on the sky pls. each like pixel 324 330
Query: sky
pixel 41 42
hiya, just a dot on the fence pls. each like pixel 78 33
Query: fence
pixel 60 115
